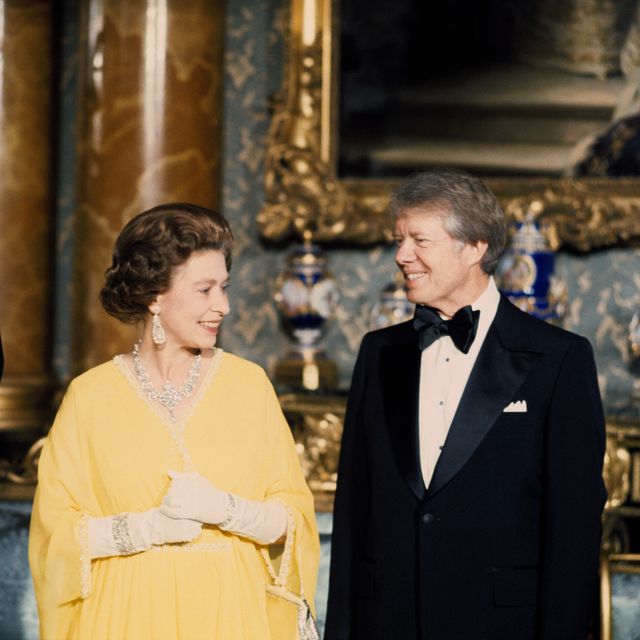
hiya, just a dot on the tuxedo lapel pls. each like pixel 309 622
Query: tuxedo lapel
pixel 501 367
pixel 400 373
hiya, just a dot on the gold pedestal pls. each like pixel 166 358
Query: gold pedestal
pixel 25 404
pixel 307 369
pixel 25 416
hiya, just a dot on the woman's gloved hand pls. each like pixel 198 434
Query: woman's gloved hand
pixel 192 496
pixel 128 533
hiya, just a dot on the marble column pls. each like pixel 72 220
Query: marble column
pixel 26 216
pixel 150 133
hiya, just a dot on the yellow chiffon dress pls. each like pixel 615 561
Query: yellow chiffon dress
pixel 108 452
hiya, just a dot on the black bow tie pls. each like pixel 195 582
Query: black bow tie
pixel 461 328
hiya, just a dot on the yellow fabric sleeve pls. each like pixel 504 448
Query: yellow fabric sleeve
pixel 58 546
pixel 287 484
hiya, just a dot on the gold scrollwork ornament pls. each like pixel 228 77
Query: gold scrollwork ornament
pixel 304 192
pixel 616 473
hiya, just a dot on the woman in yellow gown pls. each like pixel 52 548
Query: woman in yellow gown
pixel 169 470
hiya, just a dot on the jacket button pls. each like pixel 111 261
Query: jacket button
pixel 428 518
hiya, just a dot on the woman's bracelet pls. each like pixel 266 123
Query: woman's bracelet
pixel 120 531
pixel 232 509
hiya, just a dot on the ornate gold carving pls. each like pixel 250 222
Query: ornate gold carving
pixel 623 442
pixel 620 470
pixel 617 466
pixel 317 423
pixel 582 214
pixel 635 477
pixel 303 191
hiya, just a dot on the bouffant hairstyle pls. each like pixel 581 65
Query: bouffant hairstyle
pixel 150 247
pixel 471 211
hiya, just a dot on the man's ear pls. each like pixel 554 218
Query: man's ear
pixel 478 250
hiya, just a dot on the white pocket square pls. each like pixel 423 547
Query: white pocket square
pixel 519 406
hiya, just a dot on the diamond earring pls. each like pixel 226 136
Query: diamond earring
pixel 157 332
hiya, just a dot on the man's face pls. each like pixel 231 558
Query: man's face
pixel 438 270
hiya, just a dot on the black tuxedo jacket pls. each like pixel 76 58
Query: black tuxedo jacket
pixel 504 544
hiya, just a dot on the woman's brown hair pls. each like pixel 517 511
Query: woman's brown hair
pixel 151 246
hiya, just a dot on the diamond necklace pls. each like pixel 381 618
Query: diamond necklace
pixel 169 396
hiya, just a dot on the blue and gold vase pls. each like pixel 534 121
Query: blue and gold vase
pixel 526 276
pixel 392 306
pixel 306 297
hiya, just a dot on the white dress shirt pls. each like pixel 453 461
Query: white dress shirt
pixel 444 371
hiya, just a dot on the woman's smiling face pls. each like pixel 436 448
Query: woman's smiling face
pixel 193 307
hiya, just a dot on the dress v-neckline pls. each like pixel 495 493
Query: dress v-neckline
pixel 176 429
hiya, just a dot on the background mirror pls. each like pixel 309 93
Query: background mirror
pixel 499 87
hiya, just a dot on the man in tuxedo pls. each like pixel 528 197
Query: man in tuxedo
pixel 470 483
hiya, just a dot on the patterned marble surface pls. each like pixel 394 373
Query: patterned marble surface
pixel 26 186
pixel 149 132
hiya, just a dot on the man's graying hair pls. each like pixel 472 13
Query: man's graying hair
pixel 470 211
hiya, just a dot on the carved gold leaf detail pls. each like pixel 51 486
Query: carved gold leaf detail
pixel 617 466
pixel 304 193
pixel 580 214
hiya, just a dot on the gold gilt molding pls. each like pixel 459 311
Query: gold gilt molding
pixel 25 415
pixel 621 475
pixel 580 214
pixel 317 423
pixel 304 193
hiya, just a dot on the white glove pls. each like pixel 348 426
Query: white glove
pixel 128 533
pixel 192 496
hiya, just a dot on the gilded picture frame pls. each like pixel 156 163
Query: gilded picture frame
pixel 306 198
